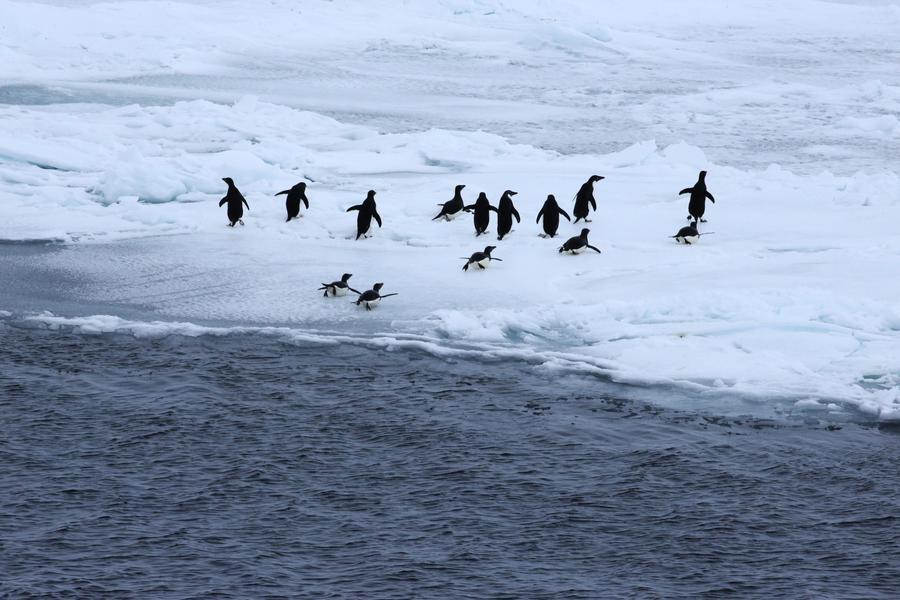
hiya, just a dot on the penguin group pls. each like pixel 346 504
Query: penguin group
pixel 481 210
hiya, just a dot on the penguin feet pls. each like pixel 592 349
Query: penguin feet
pixel 241 221
pixel 543 235
pixel 703 220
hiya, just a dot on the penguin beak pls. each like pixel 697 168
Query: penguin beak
pixel 513 193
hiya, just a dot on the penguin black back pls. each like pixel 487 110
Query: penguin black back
pixel 367 211
pixel 550 212
pixel 451 208
pixel 577 244
pixel 482 217
pixel 585 198
pixel 505 213
pixel 295 196
pixel 699 194
pixel 235 201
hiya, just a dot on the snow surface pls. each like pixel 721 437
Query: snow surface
pixel 791 107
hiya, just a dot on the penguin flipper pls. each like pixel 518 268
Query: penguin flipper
pixel 500 259
pixel 516 215
pixel 245 203
pixel 283 193
pixel 388 295
pixel 594 248
pixel 223 200
pixel 466 266
pixel 377 217
pixel 686 191
pixel 355 207
pixel 354 291
pixel 305 202
pixel 493 208
pixel 540 213
pixel 710 196
pixel 565 214
pixel 593 203
pixel 439 215
pixel 469 207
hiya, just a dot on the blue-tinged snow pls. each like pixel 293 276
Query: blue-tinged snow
pixel 791 109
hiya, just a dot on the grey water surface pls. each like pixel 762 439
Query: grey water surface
pixel 242 466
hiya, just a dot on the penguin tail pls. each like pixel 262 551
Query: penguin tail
pixel 438 216
pixel 466 267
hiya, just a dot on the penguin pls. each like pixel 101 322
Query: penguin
pixel 372 297
pixel 482 208
pixel 584 197
pixel 338 288
pixel 481 259
pixel 699 194
pixel 577 244
pixel 234 198
pixel 505 213
pixel 452 208
pixel 295 196
pixel 689 235
pixel 551 211
pixel 366 210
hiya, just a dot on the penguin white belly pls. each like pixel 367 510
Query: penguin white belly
pixel 483 263
pixel 687 239
pixel 577 250
pixel 371 303
pixel 451 216
pixel 338 291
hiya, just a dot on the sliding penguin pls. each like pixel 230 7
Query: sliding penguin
pixel 366 210
pixel 551 211
pixel 481 259
pixel 690 234
pixel 295 196
pixel 577 244
pixel 339 288
pixel 452 208
pixel 584 197
pixel 505 213
pixel 699 194
pixel 482 208
pixel 372 297
pixel 234 198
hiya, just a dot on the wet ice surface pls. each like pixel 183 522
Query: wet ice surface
pixel 239 466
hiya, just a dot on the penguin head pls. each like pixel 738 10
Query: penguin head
pixel 510 193
pixel 596 178
pixel 346 276
pixel 482 196
pixel 301 186
pixel 585 232
pixel 489 249
pixel 377 287
pixel 702 174
pixel 370 195
pixel 551 198
pixel 694 224
pixel 229 181
pixel 459 188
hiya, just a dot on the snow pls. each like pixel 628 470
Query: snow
pixel 794 299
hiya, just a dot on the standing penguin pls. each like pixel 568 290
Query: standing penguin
pixel 482 208
pixel 584 197
pixel 453 207
pixel 234 198
pixel 481 259
pixel 372 297
pixel 505 213
pixel 339 288
pixel 551 211
pixel 699 194
pixel 366 210
pixel 577 244
pixel 295 196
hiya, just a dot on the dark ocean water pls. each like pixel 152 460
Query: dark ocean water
pixel 246 467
